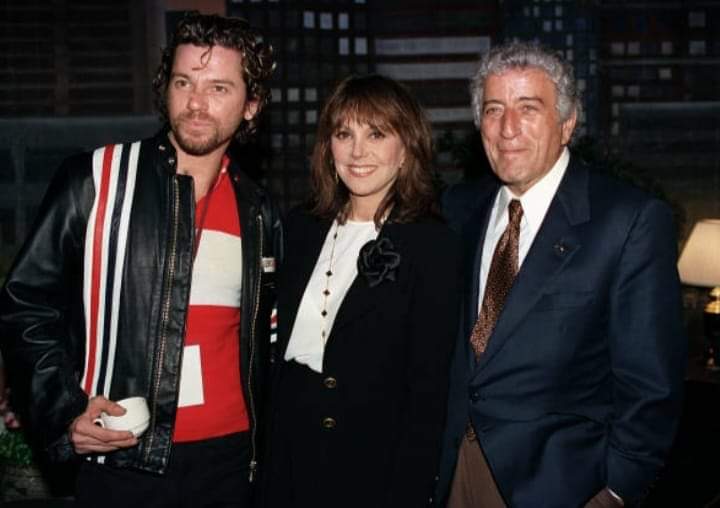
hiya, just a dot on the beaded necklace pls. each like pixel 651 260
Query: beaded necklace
pixel 326 291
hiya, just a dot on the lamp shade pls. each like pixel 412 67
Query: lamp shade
pixel 699 263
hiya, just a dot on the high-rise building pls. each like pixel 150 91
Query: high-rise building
pixel 432 47
pixel 315 43
pixel 649 71
pixel 650 74
pixel 74 57
pixel 569 27
pixel 660 70
pixel 61 63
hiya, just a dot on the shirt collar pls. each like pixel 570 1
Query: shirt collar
pixel 536 200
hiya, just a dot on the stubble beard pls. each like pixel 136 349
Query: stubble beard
pixel 197 145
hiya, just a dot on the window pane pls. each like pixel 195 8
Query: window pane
pixel 309 19
pixel 326 21
pixel 360 46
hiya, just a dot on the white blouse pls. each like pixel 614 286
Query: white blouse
pixel 307 342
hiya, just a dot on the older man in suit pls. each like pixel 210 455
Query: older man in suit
pixel 567 377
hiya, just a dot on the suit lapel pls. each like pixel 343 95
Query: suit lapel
pixel 305 257
pixel 361 298
pixel 357 302
pixel 555 244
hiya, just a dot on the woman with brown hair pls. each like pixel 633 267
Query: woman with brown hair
pixel 367 312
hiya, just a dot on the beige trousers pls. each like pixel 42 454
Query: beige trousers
pixel 473 485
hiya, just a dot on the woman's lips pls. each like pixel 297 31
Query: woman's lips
pixel 360 170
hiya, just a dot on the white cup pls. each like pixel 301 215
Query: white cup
pixel 136 418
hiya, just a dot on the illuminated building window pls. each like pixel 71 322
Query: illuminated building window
pixel 360 46
pixel 696 48
pixel 326 21
pixel 309 19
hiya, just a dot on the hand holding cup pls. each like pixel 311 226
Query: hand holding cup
pixel 136 418
pixel 87 436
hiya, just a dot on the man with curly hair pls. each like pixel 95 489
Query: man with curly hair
pixel 149 272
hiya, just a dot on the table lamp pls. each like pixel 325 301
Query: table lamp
pixel 699 265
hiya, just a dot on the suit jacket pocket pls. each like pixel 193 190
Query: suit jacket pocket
pixel 565 300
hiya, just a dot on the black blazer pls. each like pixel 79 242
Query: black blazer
pixel 580 385
pixel 389 350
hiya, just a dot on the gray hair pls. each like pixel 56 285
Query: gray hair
pixel 523 55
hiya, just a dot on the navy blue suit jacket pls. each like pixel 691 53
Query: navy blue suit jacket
pixel 580 385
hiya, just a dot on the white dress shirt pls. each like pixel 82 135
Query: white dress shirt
pixel 307 345
pixel 535 203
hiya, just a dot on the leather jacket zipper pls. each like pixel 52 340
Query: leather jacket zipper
pixel 253 426
pixel 165 312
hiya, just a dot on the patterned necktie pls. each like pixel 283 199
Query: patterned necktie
pixel 503 268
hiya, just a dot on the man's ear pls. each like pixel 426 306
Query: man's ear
pixel 568 126
pixel 251 109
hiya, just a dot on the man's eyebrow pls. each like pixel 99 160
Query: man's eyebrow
pixel 217 81
pixel 220 81
pixel 531 98
pixel 492 101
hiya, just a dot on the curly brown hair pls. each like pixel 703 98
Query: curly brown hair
pixel 379 101
pixel 207 30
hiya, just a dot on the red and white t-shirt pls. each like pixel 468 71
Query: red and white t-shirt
pixel 211 401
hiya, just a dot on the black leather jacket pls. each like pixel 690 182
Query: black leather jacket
pixel 42 323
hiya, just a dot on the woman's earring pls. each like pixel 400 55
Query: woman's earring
pixel 337 179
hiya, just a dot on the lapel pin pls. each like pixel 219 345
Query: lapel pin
pixel 560 248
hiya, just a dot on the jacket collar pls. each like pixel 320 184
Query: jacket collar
pixel 165 150
pixel 167 160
